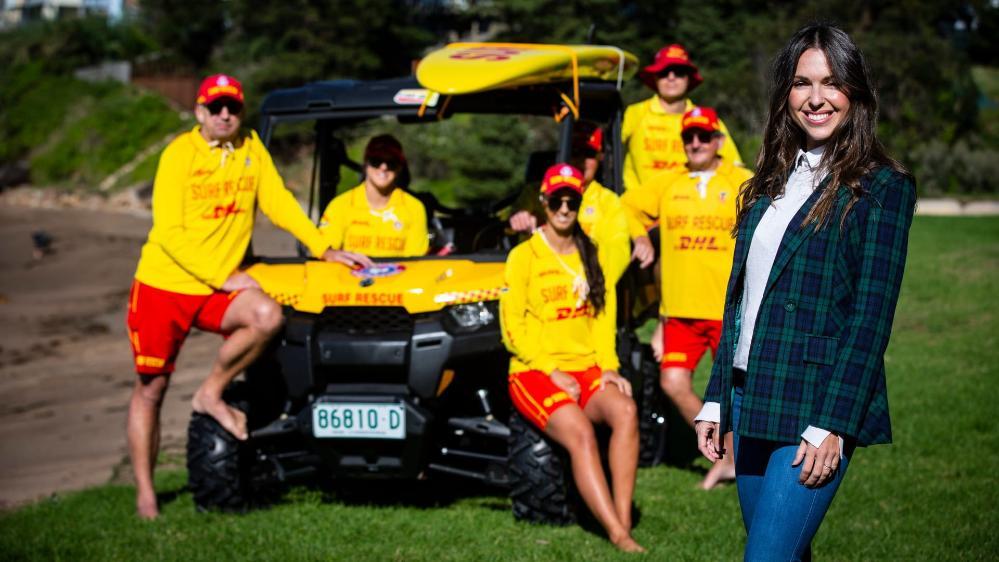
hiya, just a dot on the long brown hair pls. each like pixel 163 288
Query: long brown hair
pixel 851 152
pixel 591 267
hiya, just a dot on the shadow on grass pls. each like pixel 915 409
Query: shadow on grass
pixel 432 492
pixel 170 496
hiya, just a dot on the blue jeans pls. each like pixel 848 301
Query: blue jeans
pixel 780 514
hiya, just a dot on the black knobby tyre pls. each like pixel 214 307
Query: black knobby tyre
pixel 217 463
pixel 540 480
pixel 652 408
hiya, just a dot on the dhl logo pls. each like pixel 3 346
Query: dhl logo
pixel 697 243
pixel 572 312
pixel 223 211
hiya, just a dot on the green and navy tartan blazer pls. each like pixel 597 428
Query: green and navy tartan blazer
pixel 817 355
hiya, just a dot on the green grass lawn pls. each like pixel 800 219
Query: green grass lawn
pixel 930 496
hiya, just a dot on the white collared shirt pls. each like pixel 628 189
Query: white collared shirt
pixel 763 248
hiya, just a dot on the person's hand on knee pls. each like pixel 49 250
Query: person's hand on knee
pixel 566 382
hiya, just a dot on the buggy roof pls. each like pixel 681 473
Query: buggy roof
pixel 516 79
pixel 351 99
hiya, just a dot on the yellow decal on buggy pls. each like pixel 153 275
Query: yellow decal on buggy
pixel 422 285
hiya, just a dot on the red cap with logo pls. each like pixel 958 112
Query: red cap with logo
pixel 588 137
pixel 670 55
pixel 703 118
pixel 562 176
pixel 219 86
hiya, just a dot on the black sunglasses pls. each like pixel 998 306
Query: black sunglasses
pixel 678 71
pixel 234 106
pixel 392 164
pixel 703 136
pixel 556 201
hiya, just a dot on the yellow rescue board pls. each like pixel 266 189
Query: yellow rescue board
pixel 418 285
pixel 465 68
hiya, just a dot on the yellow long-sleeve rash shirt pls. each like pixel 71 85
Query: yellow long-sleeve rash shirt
pixel 398 230
pixel 204 202
pixel 542 325
pixel 696 245
pixel 604 219
pixel 653 145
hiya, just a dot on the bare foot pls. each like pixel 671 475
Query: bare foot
pixel 722 471
pixel 146 508
pixel 231 419
pixel 628 544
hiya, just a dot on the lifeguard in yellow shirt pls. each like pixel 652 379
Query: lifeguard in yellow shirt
pixel 557 317
pixel 208 186
pixel 378 218
pixel 651 128
pixel 601 215
pixel 695 207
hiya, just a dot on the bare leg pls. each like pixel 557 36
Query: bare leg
pixel 723 470
pixel 574 431
pixel 253 318
pixel 677 383
pixel 611 407
pixel 143 429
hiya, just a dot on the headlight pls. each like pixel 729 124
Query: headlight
pixel 471 316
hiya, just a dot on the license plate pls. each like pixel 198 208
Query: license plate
pixel 359 421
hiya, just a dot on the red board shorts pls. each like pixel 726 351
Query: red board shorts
pixel 159 321
pixel 686 339
pixel 536 397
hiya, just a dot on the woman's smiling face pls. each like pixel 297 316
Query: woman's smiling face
pixel 816 101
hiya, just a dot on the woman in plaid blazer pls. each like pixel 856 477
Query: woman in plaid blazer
pixel 821 240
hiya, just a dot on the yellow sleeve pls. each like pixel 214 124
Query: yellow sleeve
pixel 612 238
pixel 604 333
pixel 334 220
pixel 513 312
pixel 729 152
pixel 632 117
pixel 168 219
pixel 283 209
pixel 641 203
pixel 418 240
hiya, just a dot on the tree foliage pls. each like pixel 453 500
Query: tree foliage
pixel 921 53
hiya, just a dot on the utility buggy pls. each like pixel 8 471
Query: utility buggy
pixel 398 371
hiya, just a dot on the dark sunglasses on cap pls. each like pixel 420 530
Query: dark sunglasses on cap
pixel 556 200
pixel 390 163
pixel 215 107
pixel 702 135
pixel 677 70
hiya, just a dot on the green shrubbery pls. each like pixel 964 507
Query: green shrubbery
pixel 75 133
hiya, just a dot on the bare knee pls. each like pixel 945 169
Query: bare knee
pixel 625 416
pixel 675 383
pixel 582 439
pixel 150 390
pixel 267 316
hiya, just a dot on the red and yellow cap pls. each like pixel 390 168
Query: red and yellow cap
pixel 562 176
pixel 703 118
pixel 219 86
pixel 587 135
pixel 670 55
